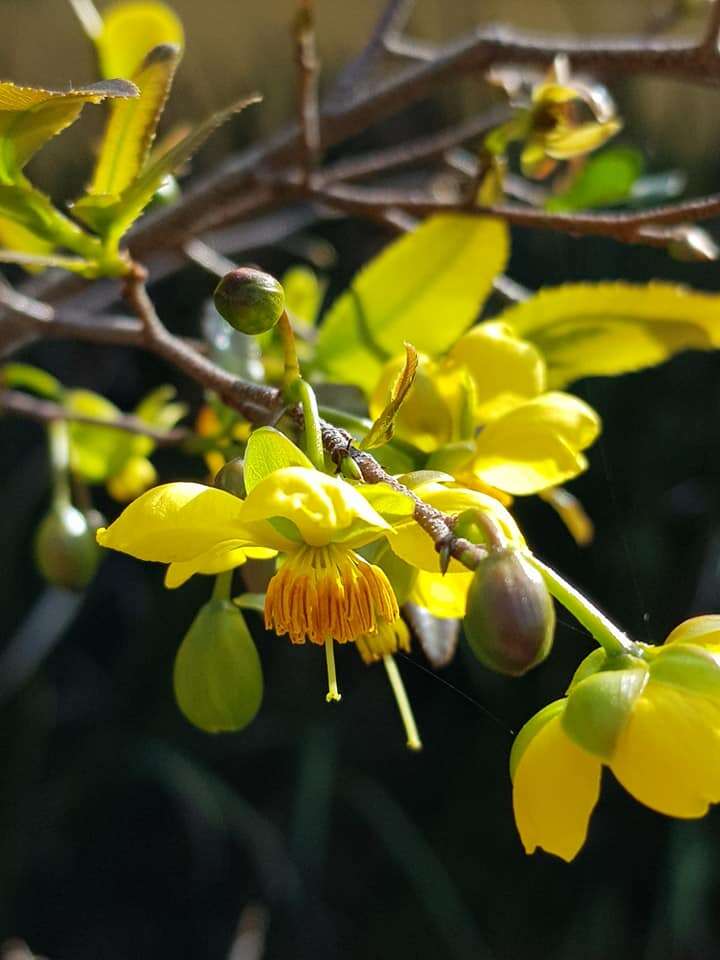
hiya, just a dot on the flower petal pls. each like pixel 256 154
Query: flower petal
pixel 555 788
pixel 701 631
pixel 442 596
pixel 668 756
pixel 536 445
pixel 323 509
pixel 506 370
pixel 223 556
pixel 175 522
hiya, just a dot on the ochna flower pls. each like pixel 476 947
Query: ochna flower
pixel 323 589
pixel 652 718
pixel 483 413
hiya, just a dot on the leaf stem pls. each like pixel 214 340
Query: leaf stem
pixel 312 426
pixel 287 339
pixel 608 635
pixel 59 450
pixel 222 588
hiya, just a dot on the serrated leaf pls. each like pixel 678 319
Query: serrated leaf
pixel 34 262
pixel 132 124
pixel 130 30
pixel 24 376
pixel 606 329
pixel 427 287
pixel 384 426
pixel 113 216
pixel 17 238
pixel 30 116
pixel 605 180
pixel 269 450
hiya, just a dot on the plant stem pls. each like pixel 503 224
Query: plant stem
pixel 311 420
pixel 287 338
pixel 59 449
pixel 401 698
pixel 222 588
pixel 607 634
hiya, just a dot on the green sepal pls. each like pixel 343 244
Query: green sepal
pixel 600 660
pixel 599 707
pixel 531 729
pixel 218 676
pixel 689 667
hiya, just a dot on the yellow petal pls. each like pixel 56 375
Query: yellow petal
pixel 536 445
pixel 555 788
pixel 668 755
pixel 443 596
pixel 322 509
pixel 415 547
pixel 223 556
pixel 702 631
pixel 566 142
pixel 175 522
pixel 506 369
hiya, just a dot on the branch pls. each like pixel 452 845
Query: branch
pixel 45 411
pixel 308 72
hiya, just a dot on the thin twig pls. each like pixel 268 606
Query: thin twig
pixel 46 411
pixel 308 73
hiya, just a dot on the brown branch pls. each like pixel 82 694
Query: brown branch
pixel 712 32
pixel 308 75
pixel 45 411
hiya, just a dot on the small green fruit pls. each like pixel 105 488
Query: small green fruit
pixel 510 618
pixel 251 301
pixel 218 677
pixel 65 549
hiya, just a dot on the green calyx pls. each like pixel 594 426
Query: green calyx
pixel 599 706
pixel 218 676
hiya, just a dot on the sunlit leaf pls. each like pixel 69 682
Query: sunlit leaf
pixel 30 116
pixel 15 237
pixel 303 294
pixel 610 328
pixel 384 426
pixel 96 452
pixel 269 450
pixel 131 30
pixel 131 128
pixel 426 287
pixel 112 216
pixel 606 179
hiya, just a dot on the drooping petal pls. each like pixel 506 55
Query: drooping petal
pixel 175 522
pixel 536 445
pixel 443 596
pixel 506 370
pixel 668 756
pixel 322 509
pixel 224 556
pixel 555 788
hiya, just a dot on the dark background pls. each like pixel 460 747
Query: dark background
pixel 124 833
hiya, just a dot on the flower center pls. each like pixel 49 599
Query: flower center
pixel 330 592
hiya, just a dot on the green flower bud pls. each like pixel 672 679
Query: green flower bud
pixel 232 477
pixel 250 300
pixel 66 553
pixel 510 619
pixel 166 194
pixel 599 707
pixel 218 677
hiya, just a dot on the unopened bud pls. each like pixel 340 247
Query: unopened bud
pixel 218 677
pixel 510 619
pixel 232 477
pixel 250 300
pixel 166 194
pixel 65 549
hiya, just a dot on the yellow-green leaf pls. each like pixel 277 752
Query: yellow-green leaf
pixel 30 116
pixel 131 128
pixel 20 239
pixel 130 31
pixel 24 376
pixel 384 426
pixel 303 294
pixel 96 452
pixel 427 287
pixel 113 216
pixel 611 328
pixel 269 450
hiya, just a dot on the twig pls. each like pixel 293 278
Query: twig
pixel 308 71
pixel 712 32
pixel 46 411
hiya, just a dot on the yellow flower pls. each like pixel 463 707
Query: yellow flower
pixel 387 639
pixel 482 413
pixel 653 719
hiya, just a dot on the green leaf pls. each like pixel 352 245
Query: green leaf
pixel 131 128
pixel 269 450
pixel 384 426
pixel 113 216
pixel 30 116
pixel 303 294
pixel 251 601
pixel 97 453
pixel 23 376
pixel 606 329
pixel 605 180
pixel 427 287
pixel 14 237
pixel 130 30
